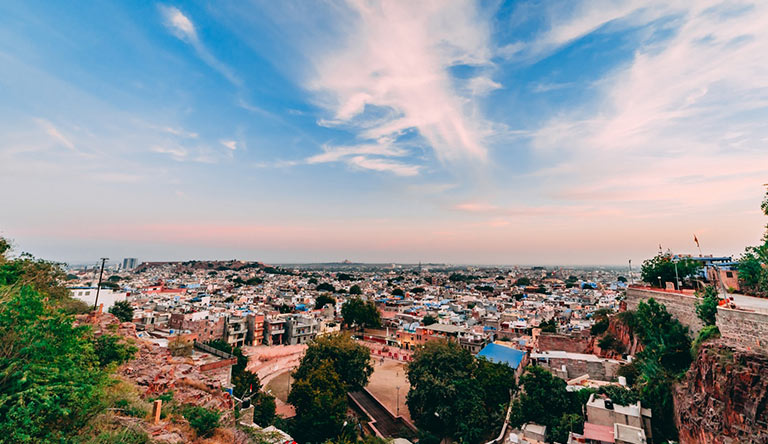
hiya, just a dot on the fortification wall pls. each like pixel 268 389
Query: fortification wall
pixel 679 305
pixel 744 329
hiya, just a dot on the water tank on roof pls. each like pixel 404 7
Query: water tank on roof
pixel 608 404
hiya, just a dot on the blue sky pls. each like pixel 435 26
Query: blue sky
pixel 465 132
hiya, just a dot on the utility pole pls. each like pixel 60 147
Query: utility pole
pixel 398 400
pixel 98 287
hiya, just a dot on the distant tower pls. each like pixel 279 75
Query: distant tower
pixel 130 263
pixel 419 267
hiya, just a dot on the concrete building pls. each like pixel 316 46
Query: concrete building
pixel 235 330
pixel 274 330
pixel 300 329
pixel 634 420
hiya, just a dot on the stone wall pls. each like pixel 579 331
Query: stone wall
pixel 681 306
pixel 745 329
pixel 575 343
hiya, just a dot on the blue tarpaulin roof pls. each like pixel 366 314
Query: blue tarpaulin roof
pixel 502 354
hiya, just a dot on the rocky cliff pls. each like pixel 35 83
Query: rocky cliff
pixel 724 397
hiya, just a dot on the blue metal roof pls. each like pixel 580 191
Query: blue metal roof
pixel 502 354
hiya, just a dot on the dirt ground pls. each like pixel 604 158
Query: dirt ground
pixel 383 385
pixel 280 385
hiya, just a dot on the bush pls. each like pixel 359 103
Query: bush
pixel 706 306
pixel 203 420
pixel 113 349
pixel 180 346
pixel 706 333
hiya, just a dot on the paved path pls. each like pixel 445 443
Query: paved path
pixel 385 422
pixel 750 303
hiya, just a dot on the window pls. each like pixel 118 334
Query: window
pixel 729 274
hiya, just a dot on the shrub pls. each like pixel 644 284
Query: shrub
pixel 203 420
pixel 180 346
pixel 706 333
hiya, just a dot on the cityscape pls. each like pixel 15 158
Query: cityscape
pixel 384 222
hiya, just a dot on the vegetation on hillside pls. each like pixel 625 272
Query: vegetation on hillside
pixel 54 374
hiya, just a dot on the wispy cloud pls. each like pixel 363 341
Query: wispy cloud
pixel 390 166
pixel 231 144
pixel 54 132
pixel 690 103
pixel 337 153
pixel 397 58
pixel 183 28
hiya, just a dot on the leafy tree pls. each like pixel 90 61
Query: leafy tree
pixel 320 398
pixel 263 408
pixel 428 320
pixel 622 279
pixel 485 288
pixel 350 360
pixel 549 326
pixel 522 282
pixel 599 327
pixel 122 311
pixel 545 400
pixel 455 395
pixel 204 421
pixel 609 342
pixel 398 292
pixel 312 281
pixel 629 371
pixel 706 306
pixel 355 289
pixel 361 313
pixel 323 300
pixel 663 266
pixel 417 290
pixel 325 286
pixel 111 349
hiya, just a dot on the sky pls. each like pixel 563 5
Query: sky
pixel 488 132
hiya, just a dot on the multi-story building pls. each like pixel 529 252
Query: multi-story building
pixel 130 263
pixel 300 329
pixel 235 330
pixel 274 330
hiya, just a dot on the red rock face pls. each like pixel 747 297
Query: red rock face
pixel 724 397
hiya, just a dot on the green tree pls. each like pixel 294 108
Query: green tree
pixel 325 286
pixel 455 395
pixel 522 282
pixel 661 269
pixel 320 398
pixel 428 320
pixel 545 400
pixel 263 409
pixel 204 421
pixel 323 300
pixel 549 326
pixel 355 289
pixel 398 292
pixel 122 311
pixel 706 306
pixel 350 360
pixel 360 313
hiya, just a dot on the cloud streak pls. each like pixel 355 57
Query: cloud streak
pixel 392 75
